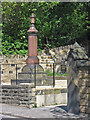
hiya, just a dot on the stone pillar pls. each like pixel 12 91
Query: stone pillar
pixel 78 81
pixel 32 43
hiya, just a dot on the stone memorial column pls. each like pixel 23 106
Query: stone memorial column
pixel 31 72
pixel 32 43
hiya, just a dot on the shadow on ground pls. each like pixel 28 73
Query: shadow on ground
pixel 61 112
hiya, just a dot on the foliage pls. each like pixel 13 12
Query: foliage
pixel 58 24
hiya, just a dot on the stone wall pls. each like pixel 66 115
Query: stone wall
pixel 46 60
pixel 84 89
pixel 22 95
pixel 78 81
pixel 28 96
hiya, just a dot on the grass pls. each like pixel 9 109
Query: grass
pixel 55 103
pixel 49 73
pixel 59 74
pixel 35 105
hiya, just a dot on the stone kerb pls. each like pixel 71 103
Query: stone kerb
pixel 78 81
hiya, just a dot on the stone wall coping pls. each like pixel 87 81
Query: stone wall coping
pixel 26 84
pixel 9 86
pixel 12 63
pixel 77 52
pixel 16 86
pixel 50 89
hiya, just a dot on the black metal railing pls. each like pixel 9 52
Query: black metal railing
pixel 17 73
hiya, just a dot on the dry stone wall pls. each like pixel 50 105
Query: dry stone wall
pixel 27 96
pixel 84 90
pixel 22 95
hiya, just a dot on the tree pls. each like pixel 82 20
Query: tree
pixel 58 24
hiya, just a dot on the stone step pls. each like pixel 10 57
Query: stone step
pixel 38 81
pixel 31 76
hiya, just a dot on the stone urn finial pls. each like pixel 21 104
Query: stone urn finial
pixel 32 28
pixel 32 18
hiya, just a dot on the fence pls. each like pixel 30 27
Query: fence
pixel 43 74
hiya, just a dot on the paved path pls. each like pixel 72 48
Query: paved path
pixel 6 116
pixel 41 112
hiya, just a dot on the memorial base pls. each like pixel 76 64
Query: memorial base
pixel 32 60
pixel 30 73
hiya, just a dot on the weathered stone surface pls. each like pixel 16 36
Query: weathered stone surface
pixel 83 109
pixel 77 52
pixel 18 95
pixel 88 110
pixel 78 80
pixel 73 98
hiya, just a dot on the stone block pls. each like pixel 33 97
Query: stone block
pixel 83 96
pixel 88 90
pixel 83 109
pixel 63 90
pixel 60 83
pixel 83 102
pixel 88 110
pixel 61 98
pixel 49 99
pixel 57 91
pixel 83 82
pixel 83 90
pixel 84 76
pixel 88 97
pixel 49 91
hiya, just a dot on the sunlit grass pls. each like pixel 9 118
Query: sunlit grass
pixel 49 73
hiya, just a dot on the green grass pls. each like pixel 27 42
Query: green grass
pixel 49 73
pixel 35 105
pixel 55 103
pixel 59 74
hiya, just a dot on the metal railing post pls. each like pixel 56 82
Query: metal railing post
pixel 35 75
pixel 16 74
pixel 53 75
